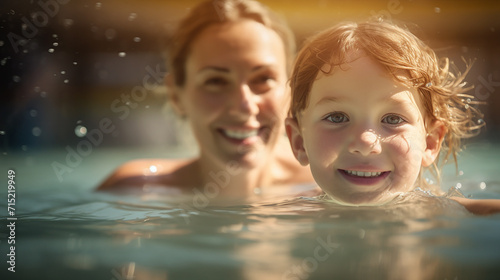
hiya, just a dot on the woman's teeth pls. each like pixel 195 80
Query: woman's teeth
pixel 363 174
pixel 238 134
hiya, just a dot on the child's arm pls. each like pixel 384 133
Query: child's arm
pixel 479 206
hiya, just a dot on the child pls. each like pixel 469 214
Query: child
pixel 371 108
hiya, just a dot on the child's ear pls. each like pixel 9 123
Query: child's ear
pixel 173 95
pixel 434 138
pixel 296 140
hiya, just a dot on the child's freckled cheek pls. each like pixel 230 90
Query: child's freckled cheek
pixel 406 148
pixel 323 144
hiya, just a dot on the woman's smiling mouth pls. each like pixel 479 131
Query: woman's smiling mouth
pixel 244 136
pixel 240 134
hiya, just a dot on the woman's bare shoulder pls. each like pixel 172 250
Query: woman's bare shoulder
pixel 141 172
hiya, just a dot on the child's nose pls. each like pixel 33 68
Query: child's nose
pixel 366 143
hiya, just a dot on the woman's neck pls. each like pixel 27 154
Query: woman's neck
pixel 232 179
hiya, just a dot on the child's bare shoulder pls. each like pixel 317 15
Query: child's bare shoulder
pixel 479 206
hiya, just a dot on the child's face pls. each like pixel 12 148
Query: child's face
pixel 363 134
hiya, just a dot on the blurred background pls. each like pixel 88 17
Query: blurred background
pixel 73 70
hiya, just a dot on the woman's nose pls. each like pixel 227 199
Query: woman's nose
pixel 245 102
pixel 365 143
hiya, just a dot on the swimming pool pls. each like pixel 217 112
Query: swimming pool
pixel 64 230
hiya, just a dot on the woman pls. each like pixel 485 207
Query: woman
pixel 228 69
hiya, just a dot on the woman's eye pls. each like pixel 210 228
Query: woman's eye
pixel 337 118
pixel 216 82
pixel 393 119
pixel 263 83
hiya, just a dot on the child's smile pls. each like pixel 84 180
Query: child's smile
pixel 363 134
pixel 364 177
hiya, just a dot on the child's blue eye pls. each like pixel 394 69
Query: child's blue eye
pixel 337 117
pixel 393 119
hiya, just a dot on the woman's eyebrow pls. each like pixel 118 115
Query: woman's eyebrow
pixel 214 68
pixel 263 66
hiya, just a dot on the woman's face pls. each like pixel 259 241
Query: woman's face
pixel 234 94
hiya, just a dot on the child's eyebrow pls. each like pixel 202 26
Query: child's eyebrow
pixel 399 102
pixel 329 99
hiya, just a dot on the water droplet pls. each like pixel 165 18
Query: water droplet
pixel 459 185
pixel 482 185
pixel 63 72
pixel 75 63
pixel 55 44
pixel 437 10
pixel 137 39
pixel 43 94
pixel 80 130
pixel 67 22
pixel 480 121
pixel 2 132
pixel 66 81
pixel 468 101
pixel 132 16
pixel 98 5
pixel 1 43
pixel 122 54
pixel 466 106
pixel 25 51
pixel 12 12
pixel 460 173
pixel 110 34
pixel 51 50
pixel 16 79
pixel 33 113
pixel 103 74
pixel 54 35
pixel 153 169
pixel 36 131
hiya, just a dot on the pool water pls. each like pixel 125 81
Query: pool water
pixel 64 230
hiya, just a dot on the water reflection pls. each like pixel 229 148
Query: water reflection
pixel 102 236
